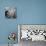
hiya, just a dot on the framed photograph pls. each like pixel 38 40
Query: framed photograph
pixel 10 12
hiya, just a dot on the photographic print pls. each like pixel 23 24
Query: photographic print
pixel 10 12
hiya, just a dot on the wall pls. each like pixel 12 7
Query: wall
pixel 28 12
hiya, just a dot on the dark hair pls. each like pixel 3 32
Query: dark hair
pixel 6 13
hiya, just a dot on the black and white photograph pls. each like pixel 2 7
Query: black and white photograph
pixel 10 12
